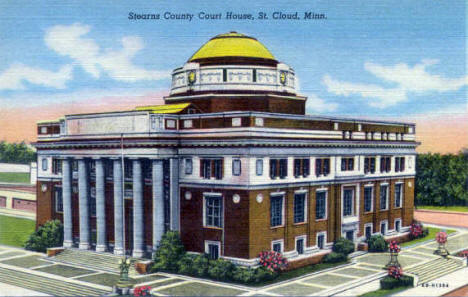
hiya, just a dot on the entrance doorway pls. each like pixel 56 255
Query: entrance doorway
pixel 128 224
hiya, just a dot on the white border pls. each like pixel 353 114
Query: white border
pixel 324 239
pixel 304 237
pixel 208 242
pixel 280 241
pixel 386 227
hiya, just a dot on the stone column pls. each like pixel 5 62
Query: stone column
pixel 101 244
pixel 138 234
pixel 158 203
pixel 174 190
pixel 83 194
pixel 67 203
pixel 118 208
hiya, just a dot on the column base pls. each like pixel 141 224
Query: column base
pixel 101 248
pixel 118 251
pixel 84 246
pixel 68 244
pixel 138 253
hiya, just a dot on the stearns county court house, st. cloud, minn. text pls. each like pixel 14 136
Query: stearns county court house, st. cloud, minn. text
pixel 229 15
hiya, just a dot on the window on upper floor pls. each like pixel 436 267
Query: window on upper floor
pixel 278 168
pixel 211 168
pixel 128 168
pixel 398 195
pixel 213 211
pixel 44 164
pixel 385 164
pixel 301 167
pixel 236 167
pixel 383 197
pixel 188 166
pixel 347 164
pixel 348 202
pixel 109 168
pixel 147 169
pixel 259 167
pixel 299 207
pixel 368 198
pixel 320 205
pixel 56 166
pixel 322 166
pixel 399 164
pixel 369 165
pixel 276 210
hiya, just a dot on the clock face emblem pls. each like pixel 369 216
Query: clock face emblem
pixel 283 77
pixel 192 77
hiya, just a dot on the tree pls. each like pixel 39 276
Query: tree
pixel 16 153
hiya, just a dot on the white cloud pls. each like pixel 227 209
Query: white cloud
pixel 71 41
pixel 406 79
pixel 13 78
pixel 317 104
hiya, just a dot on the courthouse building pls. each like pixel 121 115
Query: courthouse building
pixel 231 161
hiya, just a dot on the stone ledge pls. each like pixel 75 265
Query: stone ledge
pixel 51 252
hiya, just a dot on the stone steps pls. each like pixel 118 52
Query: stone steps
pixel 46 285
pixel 435 269
pixel 92 260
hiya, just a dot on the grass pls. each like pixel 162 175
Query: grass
pixel 444 208
pixel 299 272
pixel 432 234
pixel 15 231
pixel 26 262
pixel 382 292
pixel 105 279
pixel 64 270
pixel 14 177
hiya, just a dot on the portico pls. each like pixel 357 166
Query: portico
pixel 101 176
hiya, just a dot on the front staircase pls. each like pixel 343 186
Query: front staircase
pixel 92 260
pixel 435 269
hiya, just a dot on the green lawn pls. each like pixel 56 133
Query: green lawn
pixel 444 208
pixel 15 231
pixel 14 177
pixel 430 236
pixel 382 292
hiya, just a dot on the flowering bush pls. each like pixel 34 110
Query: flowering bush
pixel 463 254
pixel 395 271
pixel 417 231
pixel 274 261
pixel 394 247
pixel 142 291
pixel 441 237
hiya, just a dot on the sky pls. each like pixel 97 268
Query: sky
pixel 395 60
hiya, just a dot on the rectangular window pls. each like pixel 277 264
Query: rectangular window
pixel 224 74
pixel 385 164
pixel 383 228
pixel 276 210
pixel 349 235
pixel 300 246
pixel 109 168
pixel 213 251
pixel 58 199
pixel 277 247
pixel 322 166
pixel 299 207
pixel 236 167
pixel 297 167
pixel 273 168
pixel 259 167
pixel 211 168
pixel 188 166
pixel 383 197
pixel 128 169
pixel 369 165
pixel 283 168
pixel 320 205
pixel 278 168
pixel 398 195
pixel 301 167
pixel 92 202
pixel 44 164
pixel 347 164
pixel 254 75
pixel 368 191
pixel 56 166
pixel 399 164
pixel 348 202
pixel 368 232
pixel 305 167
pixel 147 169
pixel 397 225
pixel 213 211
pixel 321 241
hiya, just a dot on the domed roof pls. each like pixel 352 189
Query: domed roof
pixel 232 44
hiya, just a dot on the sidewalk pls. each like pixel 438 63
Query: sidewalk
pixel 444 218
pixel 9 290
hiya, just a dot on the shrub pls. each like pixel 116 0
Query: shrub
pixel 170 251
pixel 388 282
pixel 395 271
pixel 377 243
pixel 185 265
pixel 272 260
pixel 264 274
pixel 200 265
pixel 220 269
pixel 46 236
pixel 343 245
pixel 142 291
pixel 417 231
pixel 334 258
pixel 244 275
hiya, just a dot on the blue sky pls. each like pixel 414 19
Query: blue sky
pixel 368 58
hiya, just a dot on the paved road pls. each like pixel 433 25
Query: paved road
pixel 444 218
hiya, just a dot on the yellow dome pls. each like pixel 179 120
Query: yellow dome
pixel 232 44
